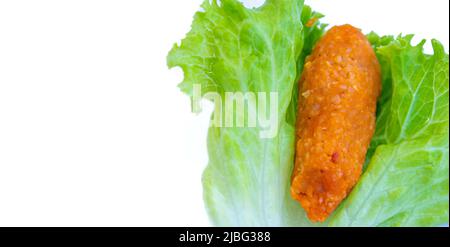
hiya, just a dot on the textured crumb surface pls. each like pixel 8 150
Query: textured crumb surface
pixel 339 88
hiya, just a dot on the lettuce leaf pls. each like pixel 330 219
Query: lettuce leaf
pixel 406 181
pixel 235 49
pixel 231 48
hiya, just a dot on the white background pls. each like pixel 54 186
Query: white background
pixel 93 130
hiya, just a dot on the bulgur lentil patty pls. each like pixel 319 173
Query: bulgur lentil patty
pixel 339 89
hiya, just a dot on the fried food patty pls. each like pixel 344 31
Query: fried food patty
pixel 339 89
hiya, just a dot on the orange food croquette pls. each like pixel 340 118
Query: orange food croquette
pixel 339 89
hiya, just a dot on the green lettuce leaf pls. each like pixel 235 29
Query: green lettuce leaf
pixel 235 49
pixel 246 183
pixel 406 181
